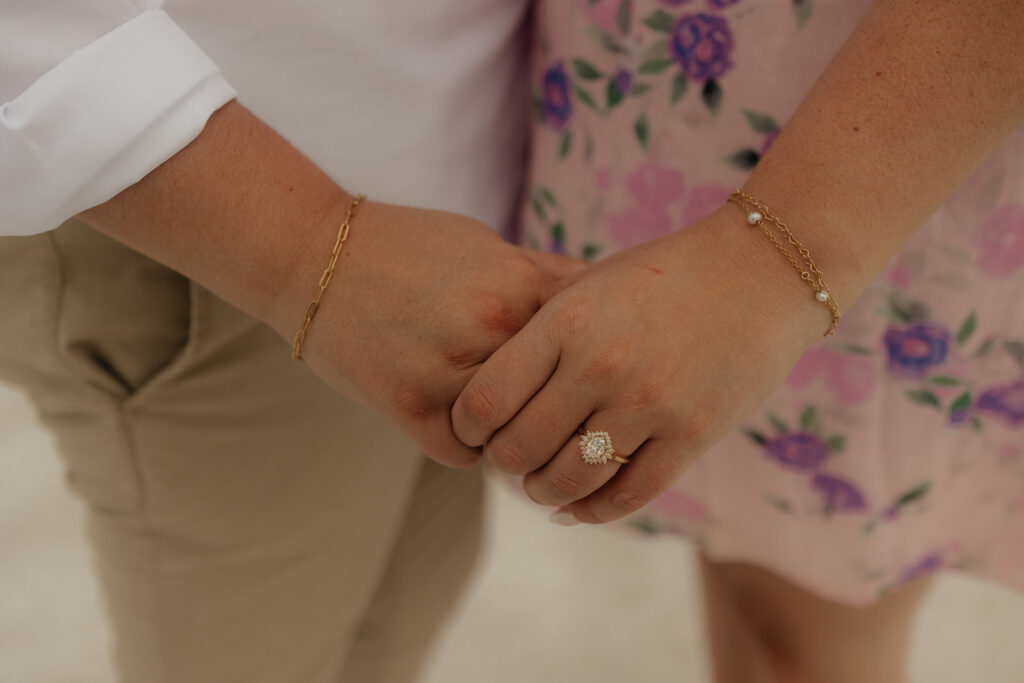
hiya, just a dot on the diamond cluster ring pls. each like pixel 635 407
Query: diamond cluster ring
pixel 597 449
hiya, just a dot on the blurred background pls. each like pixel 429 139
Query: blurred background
pixel 550 604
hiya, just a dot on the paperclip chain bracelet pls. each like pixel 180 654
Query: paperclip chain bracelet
pixel 325 279
pixel 761 216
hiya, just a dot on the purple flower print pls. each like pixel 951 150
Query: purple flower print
pixel 1001 241
pixel 840 495
pixel 800 451
pixel 655 186
pixel 674 3
pixel 916 348
pixel 702 44
pixel 1004 401
pixel 623 80
pixel 721 4
pixel 958 417
pixel 557 106
pixel 929 564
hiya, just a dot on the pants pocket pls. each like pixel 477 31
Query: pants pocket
pixel 125 323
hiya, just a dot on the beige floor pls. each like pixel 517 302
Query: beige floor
pixel 551 604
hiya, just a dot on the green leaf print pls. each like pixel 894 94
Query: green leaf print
pixel 642 129
pixel 711 94
pixel 590 251
pixel 802 11
pixel 586 70
pixel 558 233
pixel 967 329
pixel 624 16
pixel 756 436
pixel 808 418
pixel 778 502
pixel 743 159
pixel 962 402
pixel 944 381
pixel 655 66
pixel 547 195
pixel 836 443
pixel 659 20
pixel 985 347
pixel 640 88
pixel 613 93
pixel 538 209
pixel 855 349
pixel 905 309
pixel 565 145
pixel 761 123
pixel 1015 349
pixel 777 423
pixel 587 99
pixel 924 397
pixel 537 107
pixel 680 84
pixel 605 40
pixel 916 493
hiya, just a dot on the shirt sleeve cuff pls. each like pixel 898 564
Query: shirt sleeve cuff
pixel 101 120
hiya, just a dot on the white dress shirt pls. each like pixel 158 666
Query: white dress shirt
pixel 409 101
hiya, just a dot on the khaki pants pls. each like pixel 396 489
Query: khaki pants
pixel 247 523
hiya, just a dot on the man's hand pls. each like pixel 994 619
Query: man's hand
pixel 418 301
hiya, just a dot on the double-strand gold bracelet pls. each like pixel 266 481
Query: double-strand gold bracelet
pixel 761 216
pixel 325 279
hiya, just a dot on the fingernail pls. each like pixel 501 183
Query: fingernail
pixel 564 517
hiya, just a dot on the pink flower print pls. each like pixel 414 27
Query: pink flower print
pixel 636 225
pixel 654 185
pixel 678 505
pixel 1001 241
pixel 703 201
pixel 601 12
pixel 603 178
pixel 850 377
pixel 898 277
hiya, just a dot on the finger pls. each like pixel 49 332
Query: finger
pixel 652 469
pixel 541 428
pixel 556 266
pixel 568 477
pixel 505 383
pixel 561 271
pixel 435 438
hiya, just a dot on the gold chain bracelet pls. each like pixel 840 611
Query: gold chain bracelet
pixel 325 279
pixel 759 215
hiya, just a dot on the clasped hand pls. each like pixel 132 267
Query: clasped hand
pixel 665 346
pixel 475 347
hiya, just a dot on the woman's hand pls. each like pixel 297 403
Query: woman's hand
pixel 665 346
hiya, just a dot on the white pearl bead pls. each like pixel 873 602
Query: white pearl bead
pixel 821 296
pixel 754 217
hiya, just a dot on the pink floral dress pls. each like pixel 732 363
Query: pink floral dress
pixel 896 447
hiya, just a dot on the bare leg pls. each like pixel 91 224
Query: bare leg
pixel 764 629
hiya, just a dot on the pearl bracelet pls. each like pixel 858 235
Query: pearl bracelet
pixel 760 216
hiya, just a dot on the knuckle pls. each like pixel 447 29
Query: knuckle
pixel 606 361
pixel 574 317
pixel 495 312
pixel 412 402
pixel 695 429
pixel 628 501
pixel 507 458
pixel 645 393
pixel 481 405
pixel 567 487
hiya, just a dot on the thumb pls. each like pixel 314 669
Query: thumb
pixel 557 266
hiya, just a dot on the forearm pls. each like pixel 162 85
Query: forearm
pixel 915 100
pixel 238 210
